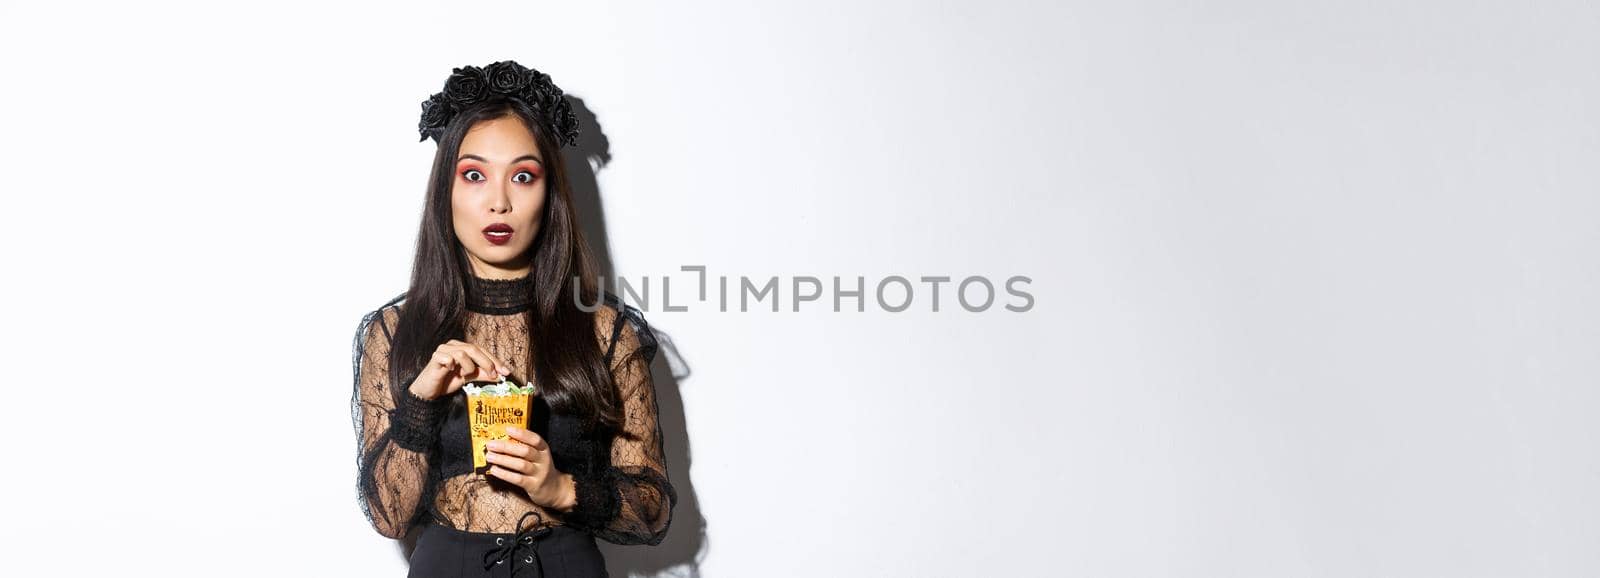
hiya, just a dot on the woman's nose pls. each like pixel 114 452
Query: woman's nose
pixel 499 201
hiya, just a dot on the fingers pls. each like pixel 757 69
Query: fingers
pixel 520 460
pixel 455 362
pixel 466 367
pixel 482 360
pixel 479 357
pixel 533 440
pixel 512 463
pixel 475 362
pixel 508 475
pixel 510 448
pixel 443 360
pixel 518 449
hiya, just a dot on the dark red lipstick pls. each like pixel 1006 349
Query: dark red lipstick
pixel 498 233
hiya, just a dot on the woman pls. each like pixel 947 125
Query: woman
pixel 503 284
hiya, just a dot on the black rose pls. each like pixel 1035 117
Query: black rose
pixel 465 86
pixel 436 112
pixel 553 101
pixel 469 85
pixel 506 77
pixel 533 95
pixel 570 130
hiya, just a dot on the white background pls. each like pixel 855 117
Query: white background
pixel 1315 283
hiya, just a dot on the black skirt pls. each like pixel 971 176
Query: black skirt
pixel 550 552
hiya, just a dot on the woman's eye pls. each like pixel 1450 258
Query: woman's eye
pixel 470 172
pixel 519 178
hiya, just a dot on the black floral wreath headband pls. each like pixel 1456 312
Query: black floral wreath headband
pixel 469 85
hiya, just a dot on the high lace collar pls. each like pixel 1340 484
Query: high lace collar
pixel 499 296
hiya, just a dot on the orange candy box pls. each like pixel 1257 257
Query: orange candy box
pixel 490 409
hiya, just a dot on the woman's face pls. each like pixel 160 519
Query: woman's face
pixel 498 196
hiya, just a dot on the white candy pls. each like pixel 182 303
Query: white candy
pixel 503 388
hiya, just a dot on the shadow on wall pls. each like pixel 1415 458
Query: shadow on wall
pixel 683 549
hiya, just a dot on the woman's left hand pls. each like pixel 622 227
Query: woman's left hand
pixel 525 460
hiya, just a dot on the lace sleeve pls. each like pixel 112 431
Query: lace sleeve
pixel 396 432
pixel 630 500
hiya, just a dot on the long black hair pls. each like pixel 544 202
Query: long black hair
pixel 573 376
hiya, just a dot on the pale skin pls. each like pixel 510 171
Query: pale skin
pixel 499 178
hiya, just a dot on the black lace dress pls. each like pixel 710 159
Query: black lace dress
pixel 415 466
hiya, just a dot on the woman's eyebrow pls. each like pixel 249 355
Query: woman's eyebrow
pixel 513 161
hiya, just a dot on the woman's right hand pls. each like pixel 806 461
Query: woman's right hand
pixel 454 364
